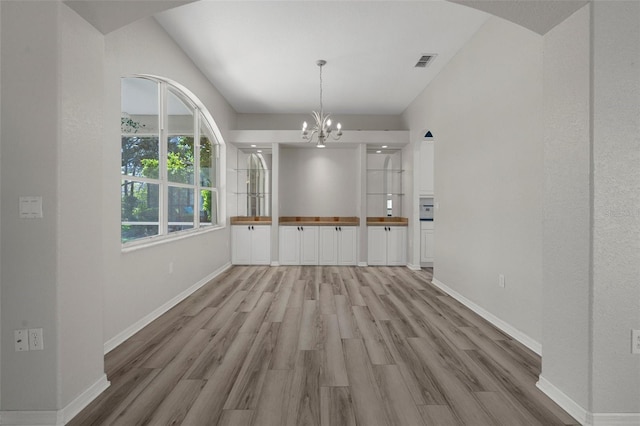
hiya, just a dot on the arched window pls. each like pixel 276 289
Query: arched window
pixel 170 161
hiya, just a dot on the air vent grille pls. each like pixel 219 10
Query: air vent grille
pixel 424 61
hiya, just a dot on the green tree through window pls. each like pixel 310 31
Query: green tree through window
pixel 172 186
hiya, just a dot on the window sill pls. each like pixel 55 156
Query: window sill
pixel 144 243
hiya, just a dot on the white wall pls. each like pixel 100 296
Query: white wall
pixel 81 62
pixel 616 206
pixel 567 207
pixel 592 205
pixel 139 282
pixel 51 141
pixel 319 182
pixel 485 109
pixel 29 262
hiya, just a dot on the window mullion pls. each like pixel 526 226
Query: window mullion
pixel 164 187
pixel 196 168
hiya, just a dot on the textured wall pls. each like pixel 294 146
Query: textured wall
pixel 567 212
pixel 80 255
pixel 616 205
pixel 29 167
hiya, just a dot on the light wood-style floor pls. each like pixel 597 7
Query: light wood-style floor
pixel 321 346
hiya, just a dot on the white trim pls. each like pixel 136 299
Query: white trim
pixel 413 267
pixel 85 398
pixel 147 319
pixel 275 263
pixel 583 416
pixel 502 325
pixel 55 418
pixel 362 264
pixel 567 404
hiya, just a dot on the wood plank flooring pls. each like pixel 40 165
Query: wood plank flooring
pixel 326 346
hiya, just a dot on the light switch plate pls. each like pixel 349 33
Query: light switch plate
pixel 21 340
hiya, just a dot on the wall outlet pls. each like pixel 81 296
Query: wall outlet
pixel 21 340
pixel 635 342
pixel 501 280
pixel 35 339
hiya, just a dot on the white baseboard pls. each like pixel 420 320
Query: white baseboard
pixel 362 264
pixel 275 263
pixel 147 319
pixel 567 404
pixel 521 337
pixel 413 267
pixel 59 417
pixel 583 416
pixel 85 398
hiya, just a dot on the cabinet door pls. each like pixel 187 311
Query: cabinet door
pixel 426 168
pixel 261 245
pixel 396 245
pixel 377 245
pixel 289 245
pixel 241 245
pixel 309 245
pixel 426 245
pixel 347 245
pixel 328 247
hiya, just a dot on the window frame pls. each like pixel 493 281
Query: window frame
pixel 202 122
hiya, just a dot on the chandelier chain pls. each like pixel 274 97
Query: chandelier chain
pixel 321 109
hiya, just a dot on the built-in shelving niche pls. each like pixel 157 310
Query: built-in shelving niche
pixel 253 182
pixel 384 182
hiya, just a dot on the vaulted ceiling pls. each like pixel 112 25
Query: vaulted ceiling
pixel 261 55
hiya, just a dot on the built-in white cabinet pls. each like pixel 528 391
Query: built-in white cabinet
pixel 298 245
pixel 426 183
pixel 387 245
pixel 251 244
pixel 426 242
pixel 338 245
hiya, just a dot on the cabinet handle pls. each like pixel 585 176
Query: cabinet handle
pixel 302 228
pixel 252 228
pixel 249 228
pixel 336 228
pixel 340 228
pixel 298 228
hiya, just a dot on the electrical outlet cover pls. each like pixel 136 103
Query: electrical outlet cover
pixel 35 339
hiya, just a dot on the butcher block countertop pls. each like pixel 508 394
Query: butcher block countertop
pixel 251 220
pixel 387 221
pixel 319 220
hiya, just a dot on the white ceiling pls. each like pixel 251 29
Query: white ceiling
pixel 261 55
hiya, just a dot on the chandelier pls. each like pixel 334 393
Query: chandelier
pixel 322 128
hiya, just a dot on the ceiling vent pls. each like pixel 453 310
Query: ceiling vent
pixel 424 61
